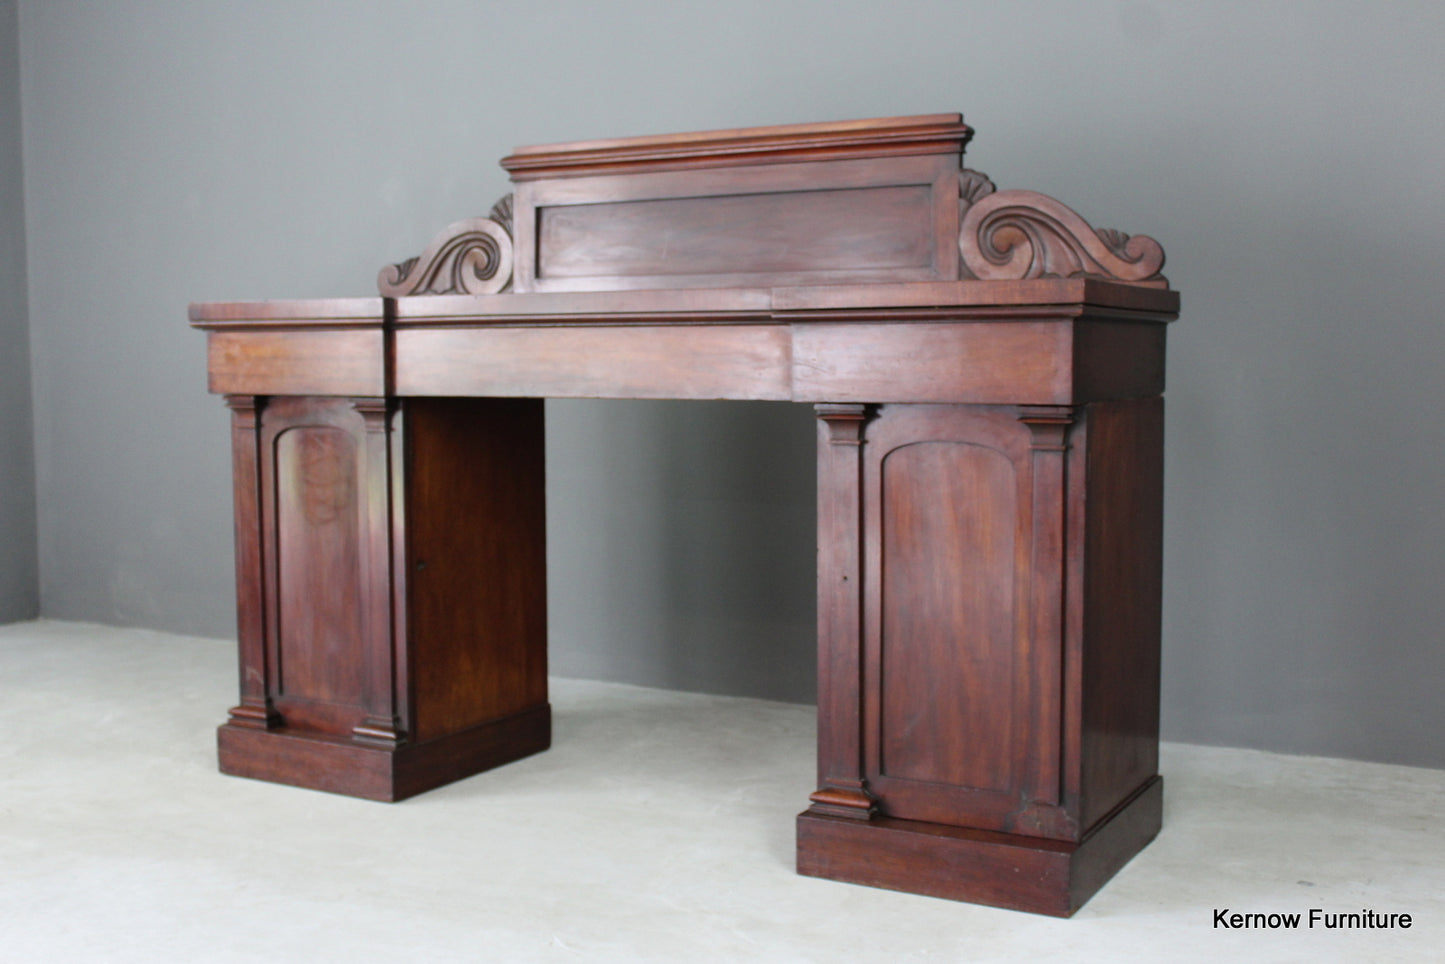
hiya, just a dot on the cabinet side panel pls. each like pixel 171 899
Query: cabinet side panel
pixel 1122 589
pixel 948 645
pixel 476 558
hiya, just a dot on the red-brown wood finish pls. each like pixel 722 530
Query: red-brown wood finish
pixel 1115 656
pixel 740 147
pixel 255 711
pixel 484 639
pixel 987 372
pixel 369 641
pixel 841 787
pixel 1009 642
pixel 890 219
pixel 980 866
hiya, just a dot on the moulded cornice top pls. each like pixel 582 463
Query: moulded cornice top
pixel 880 136
pixel 1052 298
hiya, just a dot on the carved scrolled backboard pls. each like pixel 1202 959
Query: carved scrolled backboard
pixel 865 202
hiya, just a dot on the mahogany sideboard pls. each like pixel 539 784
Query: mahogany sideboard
pixel 987 371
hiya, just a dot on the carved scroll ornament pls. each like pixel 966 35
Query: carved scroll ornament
pixel 471 257
pixel 1014 235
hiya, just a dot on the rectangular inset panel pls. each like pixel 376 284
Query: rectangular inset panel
pixel 770 233
pixel 296 362
pixel 973 362
pixel 596 361
pixel 318 565
pixel 948 608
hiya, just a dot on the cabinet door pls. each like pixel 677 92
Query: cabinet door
pixel 963 515
pixel 317 527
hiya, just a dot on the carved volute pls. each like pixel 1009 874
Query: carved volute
pixel 1016 235
pixel 471 257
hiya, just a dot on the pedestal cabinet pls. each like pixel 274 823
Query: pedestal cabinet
pixel 988 730
pixel 391 561
pixel 986 369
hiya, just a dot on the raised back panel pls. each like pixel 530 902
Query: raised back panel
pixel 759 234
pixel 872 201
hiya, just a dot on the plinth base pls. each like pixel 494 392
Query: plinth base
pixel 979 866
pixel 388 774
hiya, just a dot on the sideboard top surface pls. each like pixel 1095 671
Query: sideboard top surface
pixel 1082 297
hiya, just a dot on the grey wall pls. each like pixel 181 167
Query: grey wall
pixel 19 587
pixel 1285 154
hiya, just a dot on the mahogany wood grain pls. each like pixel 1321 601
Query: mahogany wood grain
pixel 255 708
pixel 596 361
pixel 834 140
pixel 1028 360
pixel 882 227
pixel 1009 618
pixel 347 362
pixel 1117 359
pixel 282 313
pixel 314 524
pixel 674 305
pixel 655 355
pixel 1120 611
pixel 387 775
pixel 1050 877
pixel 986 369
pixel 810 204
pixel 475 594
pixel 948 609
pixel 847 220
pixel 912 301
pixel 983 362
pixel 841 789
pixel 729 185
pixel 1160 304
pixel 960 702
pixel 384 676
pixel 382 626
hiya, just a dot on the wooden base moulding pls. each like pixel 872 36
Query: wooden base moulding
pixel 979 866
pixel 383 773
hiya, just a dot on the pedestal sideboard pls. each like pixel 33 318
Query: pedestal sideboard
pixel 987 371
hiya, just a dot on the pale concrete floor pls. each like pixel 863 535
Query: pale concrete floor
pixel 659 828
